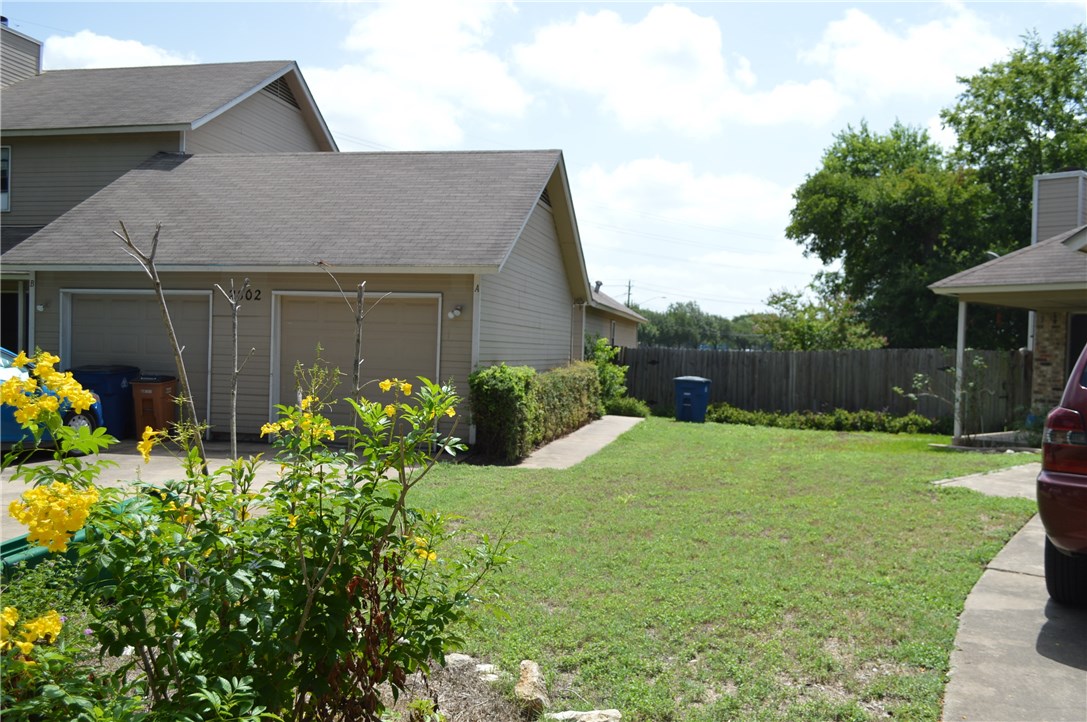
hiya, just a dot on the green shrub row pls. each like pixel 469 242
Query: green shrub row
pixel 516 409
pixel 627 406
pixel 836 420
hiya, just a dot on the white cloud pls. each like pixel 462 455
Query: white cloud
pixel 666 70
pixel 946 138
pixel 425 73
pixel 86 49
pixel 677 234
pixel 922 61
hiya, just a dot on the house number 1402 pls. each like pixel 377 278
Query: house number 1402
pixel 249 294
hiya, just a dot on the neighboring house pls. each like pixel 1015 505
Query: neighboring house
pixel 469 259
pixel 607 318
pixel 66 134
pixel 1048 277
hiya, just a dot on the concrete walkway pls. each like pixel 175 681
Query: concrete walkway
pixel 1018 657
pixel 580 445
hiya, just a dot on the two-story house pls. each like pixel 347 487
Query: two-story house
pixel 66 134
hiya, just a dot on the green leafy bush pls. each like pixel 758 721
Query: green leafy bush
pixel 515 409
pixel 836 420
pixel 627 406
pixel 613 377
pixel 503 410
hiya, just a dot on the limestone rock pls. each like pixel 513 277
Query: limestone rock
pixel 531 692
pixel 596 715
pixel 457 660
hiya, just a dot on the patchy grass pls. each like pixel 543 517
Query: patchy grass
pixel 707 572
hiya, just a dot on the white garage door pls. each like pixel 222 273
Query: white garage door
pixel 128 329
pixel 400 340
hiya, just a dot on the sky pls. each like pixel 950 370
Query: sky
pixel 685 127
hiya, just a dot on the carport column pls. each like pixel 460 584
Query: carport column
pixel 960 358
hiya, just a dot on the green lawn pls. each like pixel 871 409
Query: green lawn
pixel 710 572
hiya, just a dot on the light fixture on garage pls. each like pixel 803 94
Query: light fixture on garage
pixel 455 312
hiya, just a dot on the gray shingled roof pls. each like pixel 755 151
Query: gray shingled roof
pixel 172 95
pixel 366 210
pixel 1048 274
pixel 605 302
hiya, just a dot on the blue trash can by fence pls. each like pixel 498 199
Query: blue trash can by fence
pixel 692 398
pixel 113 384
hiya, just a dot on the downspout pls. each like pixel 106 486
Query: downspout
pixel 476 305
pixel 960 359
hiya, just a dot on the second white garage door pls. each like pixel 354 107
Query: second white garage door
pixel 400 340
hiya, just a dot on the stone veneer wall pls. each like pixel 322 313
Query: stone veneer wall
pixel 1050 349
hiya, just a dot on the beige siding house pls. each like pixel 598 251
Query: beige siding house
pixel 468 258
pixel 20 55
pixel 66 134
pixel 1048 277
pixel 610 319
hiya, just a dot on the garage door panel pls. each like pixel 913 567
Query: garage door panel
pixel 400 339
pixel 127 329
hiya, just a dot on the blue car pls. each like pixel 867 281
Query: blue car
pixel 11 431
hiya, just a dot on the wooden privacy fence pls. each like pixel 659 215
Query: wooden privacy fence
pixel 823 380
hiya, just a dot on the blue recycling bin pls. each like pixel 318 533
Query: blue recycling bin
pixel 113 384
pixel 692 398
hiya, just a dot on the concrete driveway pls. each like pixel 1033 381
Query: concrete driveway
pixel 1018 657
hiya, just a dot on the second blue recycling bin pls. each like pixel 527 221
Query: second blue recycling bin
pixel 692 398
pixel 113 384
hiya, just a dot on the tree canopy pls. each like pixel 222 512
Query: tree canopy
pixel 830 322
pixel 898 213
pixel 1020 117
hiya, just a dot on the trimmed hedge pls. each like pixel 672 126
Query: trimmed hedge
pixel 837 420
pixel 515 409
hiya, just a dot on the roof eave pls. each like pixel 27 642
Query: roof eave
pixel 251 268
pixel 990 290
pixel 96 130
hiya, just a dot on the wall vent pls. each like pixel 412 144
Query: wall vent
pixel 545 198
pixel 281 90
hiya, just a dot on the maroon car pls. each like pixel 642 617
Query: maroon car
pixel 1062 491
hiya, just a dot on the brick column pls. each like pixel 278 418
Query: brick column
pixel 1050 350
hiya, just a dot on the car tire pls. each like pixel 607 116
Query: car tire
pixel 1065 576
pixel 78 421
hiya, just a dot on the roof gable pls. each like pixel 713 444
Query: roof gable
pixel 369 211
pixel 172 97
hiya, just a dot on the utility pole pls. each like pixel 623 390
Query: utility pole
pixel 628 292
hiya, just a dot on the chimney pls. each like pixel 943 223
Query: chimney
pixel 596 289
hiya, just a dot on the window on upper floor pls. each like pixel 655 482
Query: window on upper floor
pixel 5 178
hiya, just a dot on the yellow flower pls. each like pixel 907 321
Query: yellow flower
pixel 45 627
pixel 292 521
pixel 20 360
pixel 425 554
pixel 386 384
pixel 390 410
pixel 150 438
pixel 269 428
pixel 8 619
pixel 25 647
pixel 405 387
pixel 53 513
pixel 306 403
pixel 450 412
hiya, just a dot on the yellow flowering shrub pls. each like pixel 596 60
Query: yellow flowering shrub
pixel 43 629
pixel 53 513
pixel 29 395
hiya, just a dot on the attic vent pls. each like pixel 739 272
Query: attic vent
pixel 545 198
pixel 281 90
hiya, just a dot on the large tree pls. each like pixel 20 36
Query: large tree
pixel 1020 117
pixel 897 217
